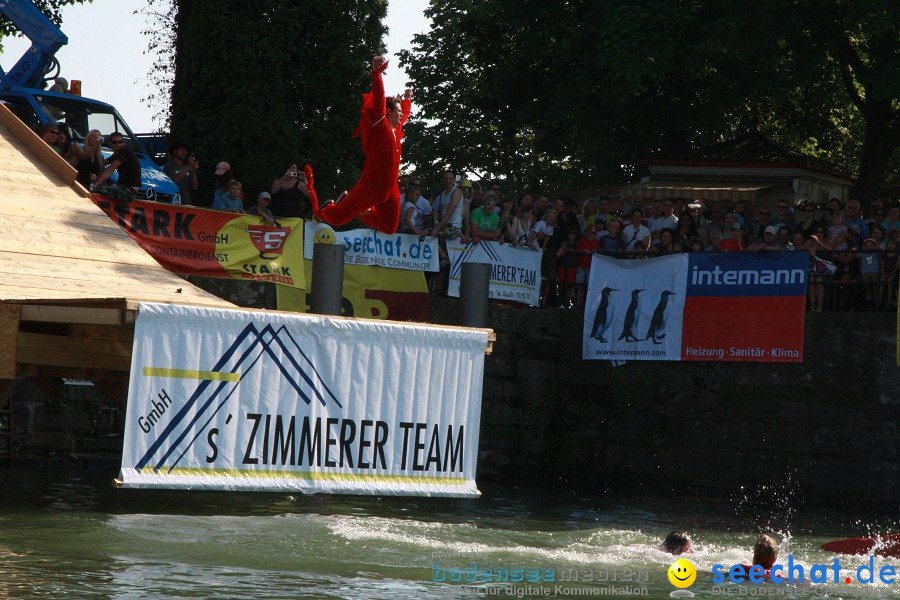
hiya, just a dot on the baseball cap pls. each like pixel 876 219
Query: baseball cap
pixel 222 167
pixel 771 230
pixel 265 195
pixel 465 183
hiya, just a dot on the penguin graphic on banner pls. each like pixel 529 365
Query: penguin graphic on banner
pixel 646 318
pixel 604 316
pixel 657 330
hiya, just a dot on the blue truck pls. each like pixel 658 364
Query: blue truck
pixel 22 90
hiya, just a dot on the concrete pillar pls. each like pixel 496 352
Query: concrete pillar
pixel 474 283
pixel 327 286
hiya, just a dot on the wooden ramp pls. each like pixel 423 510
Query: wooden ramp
pixel 70 278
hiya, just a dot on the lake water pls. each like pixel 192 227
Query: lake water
pixel 71 535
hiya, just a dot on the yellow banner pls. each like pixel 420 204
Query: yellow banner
pixel 371 293
pixel 212 243
pixel 255 251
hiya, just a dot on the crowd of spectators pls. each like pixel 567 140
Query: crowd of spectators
pixel 845 246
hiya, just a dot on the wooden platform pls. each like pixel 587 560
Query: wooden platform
pixel 70 278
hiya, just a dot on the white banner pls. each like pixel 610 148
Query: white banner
pixel 240 400
pixel 634 308
pixel 515 272
pixel 371 247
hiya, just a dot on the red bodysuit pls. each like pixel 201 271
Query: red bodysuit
pixel 375 199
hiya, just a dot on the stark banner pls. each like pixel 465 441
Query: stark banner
pixel 515 272
pixel 240 400
pixel 697 306
pixel 211 243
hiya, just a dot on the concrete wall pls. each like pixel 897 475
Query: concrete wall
pixel 824 430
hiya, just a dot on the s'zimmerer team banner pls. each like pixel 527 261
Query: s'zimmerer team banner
pixel 697 306
pixel 194 241
pixel 240 400
pixel 368 247
pixel 515 272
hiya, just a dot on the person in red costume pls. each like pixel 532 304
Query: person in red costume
pixel 375 199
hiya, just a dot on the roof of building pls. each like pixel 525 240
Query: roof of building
pixel 751 149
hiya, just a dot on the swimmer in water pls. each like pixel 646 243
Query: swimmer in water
pixel 765 552
pixel 678 542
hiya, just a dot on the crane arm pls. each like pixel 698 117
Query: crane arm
pixel 46 38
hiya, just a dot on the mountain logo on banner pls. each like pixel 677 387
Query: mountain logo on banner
pixel 467 253
pixel 251 349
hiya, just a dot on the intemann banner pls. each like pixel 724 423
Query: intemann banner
pixel 515 272
pixel 240 400
pixel 212 243
pixel 368 247
pixel 697 306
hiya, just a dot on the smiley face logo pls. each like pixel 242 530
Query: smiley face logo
pixel 682 573
pixel 324 236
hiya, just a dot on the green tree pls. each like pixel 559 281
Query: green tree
pixel 579 91
pixel 257 84
pixel 160 15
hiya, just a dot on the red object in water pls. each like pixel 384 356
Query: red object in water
pixel 888 545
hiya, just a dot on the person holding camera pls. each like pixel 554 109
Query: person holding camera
pixel 182 169
pixel 290 193
pixel 90 159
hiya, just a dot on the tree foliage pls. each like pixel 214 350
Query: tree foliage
pixel 578 91
pixel 257 84
pixel 160 31
pixel 51 8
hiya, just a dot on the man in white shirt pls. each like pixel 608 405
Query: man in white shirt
pixel 666 221
pixel 637 237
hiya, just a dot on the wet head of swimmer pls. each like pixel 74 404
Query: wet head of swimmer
pixel 678 542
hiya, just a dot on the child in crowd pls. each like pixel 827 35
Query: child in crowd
pixel 869 269
pixel 224 176
pixel 585 248
pixel 567 267
pixel 542 231
pixel 231 201
pixel 611 241
pixel 262 209
pixel 837 232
